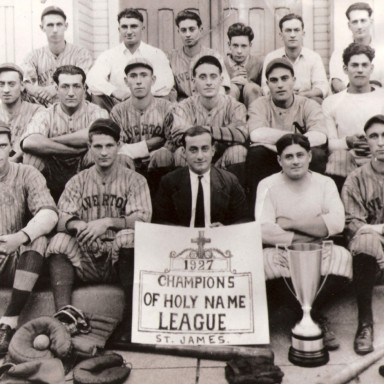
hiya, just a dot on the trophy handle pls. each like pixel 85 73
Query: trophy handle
pixel 284 246
pixel 326 244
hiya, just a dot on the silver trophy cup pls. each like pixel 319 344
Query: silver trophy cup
pixel 304 262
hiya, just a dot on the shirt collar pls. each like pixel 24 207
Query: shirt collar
pixel 124 49
pixel 195 175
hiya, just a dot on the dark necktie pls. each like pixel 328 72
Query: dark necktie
pixel 199 213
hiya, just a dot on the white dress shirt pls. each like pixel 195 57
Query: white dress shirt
pixel 206 184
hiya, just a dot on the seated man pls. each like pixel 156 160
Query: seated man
pixel 41 63
pixel 14 111
pixel 311 79
pixel 347 111
pixel 199 195
pixel 106 78
pixel 56 138
pixel 271 117
pixel 22 240
pixel 182 60
pixel 362 195
pixel 300 206
pixel 97 215
pixel 144 121
pixel 244 68
pixel 225 117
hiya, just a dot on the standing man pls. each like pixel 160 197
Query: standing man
pixel 347 111
pixel 40 65
pixel 362 196
pixel 57 138
pixel 106 78
pixel 311 79
pixel 200 195
pixel 222 114
pixel 190 29
pixel 97 215
pixel 22 241
pixel 271 117
pixel 144 121
pixel 244 68
pixel 13 110
pixel 360 23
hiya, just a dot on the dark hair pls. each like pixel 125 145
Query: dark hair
pixel 358 49
pixel 290 139
pixel 101 131
pixel 359 7
pixel 130 13
pixel 377 119
pixel 290 16
pixel 68 70
pixel 197 130
pixel 187 14
pixel 208 59
pixel 240 29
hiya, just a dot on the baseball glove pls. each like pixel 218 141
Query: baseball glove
pixel 107 369
pixel 73 319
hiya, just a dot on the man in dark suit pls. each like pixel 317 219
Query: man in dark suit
pixel 200 195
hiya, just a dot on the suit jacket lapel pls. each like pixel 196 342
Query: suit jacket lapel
pixel 183 198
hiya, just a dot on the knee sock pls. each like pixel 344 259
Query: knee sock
pixel 27 272
pixel 62 276
pixel 364 272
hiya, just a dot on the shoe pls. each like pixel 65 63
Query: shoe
pixel 363 343
pixel 6 334
pixel 330 340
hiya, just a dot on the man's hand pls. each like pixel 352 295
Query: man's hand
pixel 337 85
pixel 285 223
pixel 121 94
pixel 93 230
pixel 10 243
pixel 79 226
pixel 353 140
pixel 46 93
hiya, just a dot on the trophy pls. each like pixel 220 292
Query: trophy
pixel 304 261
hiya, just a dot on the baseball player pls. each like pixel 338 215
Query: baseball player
pixel 244 68
pixel 23 192
pixel 97 214
pixel 13 109
pixel 144 122
pixel 225 117
pixel 56 139
pixel 182 60
pixel 362 196
pixel 40 65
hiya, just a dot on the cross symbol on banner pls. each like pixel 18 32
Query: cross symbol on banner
pixel 200 241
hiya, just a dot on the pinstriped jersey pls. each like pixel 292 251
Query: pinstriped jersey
pixel 139 125
pixel 22 189
pixel 89 196
pixel 19 120
pixel 41 63
pixel 227 120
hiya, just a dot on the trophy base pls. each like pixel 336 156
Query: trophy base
pixel 308 351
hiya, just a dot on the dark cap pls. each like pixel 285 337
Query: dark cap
pixel 278 63
pixel 52 10
pixel 4 128
pixel 377 119
pixel 107 126
pixel 11 67
pixel 138 62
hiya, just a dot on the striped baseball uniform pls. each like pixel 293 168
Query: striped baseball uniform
pixel 137 125
pixel 88 196
pixel 19 120
pixel 227 122
pixel 182 66
pixel 41 63
pixel 363 195
pixel 278 198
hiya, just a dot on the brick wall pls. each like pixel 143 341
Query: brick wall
pixel 321 30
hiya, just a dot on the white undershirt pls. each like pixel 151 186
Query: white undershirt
pixel 206 184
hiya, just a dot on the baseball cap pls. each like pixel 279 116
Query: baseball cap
pixel 279 62
pixel 4 127
pixel 53 10
pixel 138 62
pixel 11 67
pixel 105 125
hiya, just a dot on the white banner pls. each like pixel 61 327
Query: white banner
pixel 199 286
